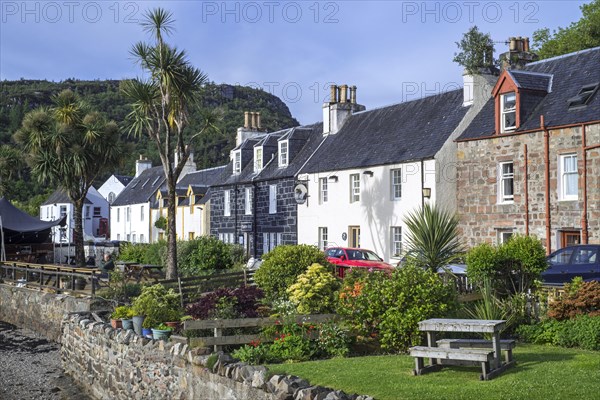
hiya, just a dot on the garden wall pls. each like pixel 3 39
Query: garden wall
pixel 39 311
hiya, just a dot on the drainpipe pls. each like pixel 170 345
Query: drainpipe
pixel 254 224
pixel 235 202
pixel 547 183
pixel 526 190
pixel 584 221
pixel 422 184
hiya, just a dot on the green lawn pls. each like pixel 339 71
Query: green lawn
pixel 542 372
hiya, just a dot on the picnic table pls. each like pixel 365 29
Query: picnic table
pixel 140 271
pixel 463 351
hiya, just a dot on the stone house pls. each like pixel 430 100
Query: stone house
pixel 529 162
pixel 254 204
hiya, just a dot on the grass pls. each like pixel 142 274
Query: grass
pixel 542 372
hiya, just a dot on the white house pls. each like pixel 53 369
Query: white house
pixel 113 186
pixel 95 216
pixel 375 167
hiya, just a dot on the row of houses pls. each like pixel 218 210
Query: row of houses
pixel 514 151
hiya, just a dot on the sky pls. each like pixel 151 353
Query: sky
pixel 393 51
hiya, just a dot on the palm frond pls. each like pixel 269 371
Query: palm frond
pixel 158 22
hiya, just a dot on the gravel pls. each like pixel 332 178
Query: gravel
pixel 30 368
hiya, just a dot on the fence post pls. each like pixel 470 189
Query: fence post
pixel 180 291
pixel 218 333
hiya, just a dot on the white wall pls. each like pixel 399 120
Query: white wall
pixel 189 219
pixel 137 227
pixel 113 185
pixel 375 213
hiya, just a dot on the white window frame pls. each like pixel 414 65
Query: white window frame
pixel 283 150
pixel 396 183
pixel 396 241
pixel 134 238
pixel 564 174
pixel 141 213
pixel 128 215
pixel 226 203
pixel 118 236
pixel 272 199
pixel 237 161
pixel 503 179
pixel 258 158
pixel 323 190
pixel 118 214
pixel 323 237
pixel 97 212
pixel 506 111
pixel 142 238
pixel 354 188
pixel 504 235
pixel 248 201
pixel 271 240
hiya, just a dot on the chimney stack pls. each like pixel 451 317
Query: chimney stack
pixel 518 55
pixel 339 108
pixel 252 125
pixel 141 165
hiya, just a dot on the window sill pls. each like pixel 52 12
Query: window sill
pixel 568 200
pixel 504 203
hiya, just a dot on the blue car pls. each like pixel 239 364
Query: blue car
pixel 569 262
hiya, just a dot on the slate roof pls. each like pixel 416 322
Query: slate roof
pixel 570 73
pixel 532 80
pixel 141 188
pixel 199 180
pixel 124 179
pixel 402 132
pixel 60 196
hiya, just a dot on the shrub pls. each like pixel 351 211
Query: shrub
pixel 242 302
pixel 118 289
pixel 334 341
pixel 254 353
pixel 314 291
pixel 122 312
pixel 282 266
pixel 202 255
pixel 513 266
pixel 584 300
pixel 158 305
pixel 391 307
pixel 583 332
pixel 144 253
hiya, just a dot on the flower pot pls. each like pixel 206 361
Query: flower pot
pixel 138 320
pixel 147 333
pixel 175 325
pixel 127 323
pixel 116 323
pixel 159 334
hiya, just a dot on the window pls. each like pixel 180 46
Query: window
pixel 118 236
pixel 504 235
pixel 87 212
pixel 47 212
pixel 583 97
pixel 323 195
pixel 128 215
pixel 323 238
pixel 191 235
pixel 396 245
pixel 118 215
pixel 271 240
pixel 161 236
pixel 569 238
pixel 111 197
pixel 354 236
pixel 141 213
pixel 508 106
pixel 568 177
pixel 272 199
pixel 226 203
pixel 128 237
pixel 258 159
pixel 248 201
pixel 354 188
pixel 396 182
pixel 63 211
pixel 505 182
pixel 142 238
pixel 283 153
pixel 237 162
pixel 134 238
pixel 97 212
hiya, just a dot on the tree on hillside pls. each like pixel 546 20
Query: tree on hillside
pixel 69 146
pixel 11 163
pixel 433 237
pixel 476 51
pixel 161 108
pixel 580 35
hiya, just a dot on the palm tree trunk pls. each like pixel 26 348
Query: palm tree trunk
pixel 78 233
pixel 172 231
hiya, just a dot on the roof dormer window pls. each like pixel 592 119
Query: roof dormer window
pixel 583 97
pixel 258 158
pixel 508 112
pixel 237 162
pixel 283 153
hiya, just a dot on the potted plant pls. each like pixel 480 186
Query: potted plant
pixel 120 313
pixel 161 332
pixel 127 320
pixel 158 305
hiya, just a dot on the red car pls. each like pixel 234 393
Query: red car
pixel 346 258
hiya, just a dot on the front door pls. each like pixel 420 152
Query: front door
pixel 354 236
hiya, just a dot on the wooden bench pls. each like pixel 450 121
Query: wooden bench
pixel 483 356
pixel 507 345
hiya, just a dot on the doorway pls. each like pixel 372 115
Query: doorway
pixel 354 236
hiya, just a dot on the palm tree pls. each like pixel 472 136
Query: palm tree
pixel 433 237
pixel 161 107
pixel 11 163
pixel 69 145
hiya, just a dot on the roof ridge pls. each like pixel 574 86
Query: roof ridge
pixel 564 56
pixel 409 101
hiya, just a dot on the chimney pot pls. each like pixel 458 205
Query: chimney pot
pixel 258 120
pixel 353 94
pixel 344 94
pixel 334 94
pixel 512 44
pixel 246 119
pixel 526 44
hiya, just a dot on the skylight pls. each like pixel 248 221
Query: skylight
pixel 583 97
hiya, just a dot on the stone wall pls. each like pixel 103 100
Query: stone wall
pixel 39 311
pixel 482 216
pixel 118 364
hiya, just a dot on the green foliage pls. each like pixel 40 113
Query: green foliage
pixel 513 267
pixel 158 305
pixel 334 340
pixel 143 253
pixel 391 307
pixel 254 354
pixel 580 35
pixel 315 291
pixel 584 300
pixel 203 255
pixel 476 51
pixel 433 237
pixel 582 332
pixel 282 266
pixel 122 312
pixel 211 361
pixel 161 223
pixel 118 289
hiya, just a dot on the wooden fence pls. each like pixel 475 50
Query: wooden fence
pixel 191 288
pixel 217 325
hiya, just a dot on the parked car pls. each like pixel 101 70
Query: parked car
pixel 345 258
pixel 569 262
